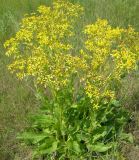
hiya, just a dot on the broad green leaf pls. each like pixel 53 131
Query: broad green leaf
pixel 74 106
pixel 32 137
pixel 46 148
pixel 81 137
pixel 98 136
pixel 42 119
pixel 99 147
pixel 76 146
pixel 53 148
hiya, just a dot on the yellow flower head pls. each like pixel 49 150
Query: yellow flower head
pixel 42 49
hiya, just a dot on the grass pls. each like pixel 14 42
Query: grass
pixel 17 100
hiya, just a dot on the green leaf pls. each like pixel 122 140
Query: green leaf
pixel 127 137
pixel 115 103
pixel 81 137
pixel 98 136
pixel 32 137
pixel 99 147
pixel 76 147
pixel 46 148
pixel 53 148
pixel 74 106
pixel 42 119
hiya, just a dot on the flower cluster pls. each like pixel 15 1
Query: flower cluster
pixel 110 53
pixel 42 49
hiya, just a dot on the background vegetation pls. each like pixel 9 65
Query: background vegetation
pixel 17 100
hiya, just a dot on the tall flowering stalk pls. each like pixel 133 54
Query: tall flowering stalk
pixel 82 116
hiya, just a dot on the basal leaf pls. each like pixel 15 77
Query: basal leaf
pixel 98 147
pixel 76 147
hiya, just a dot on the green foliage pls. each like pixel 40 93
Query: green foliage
pixel 67 130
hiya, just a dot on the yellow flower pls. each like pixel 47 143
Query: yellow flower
pixel 42 49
